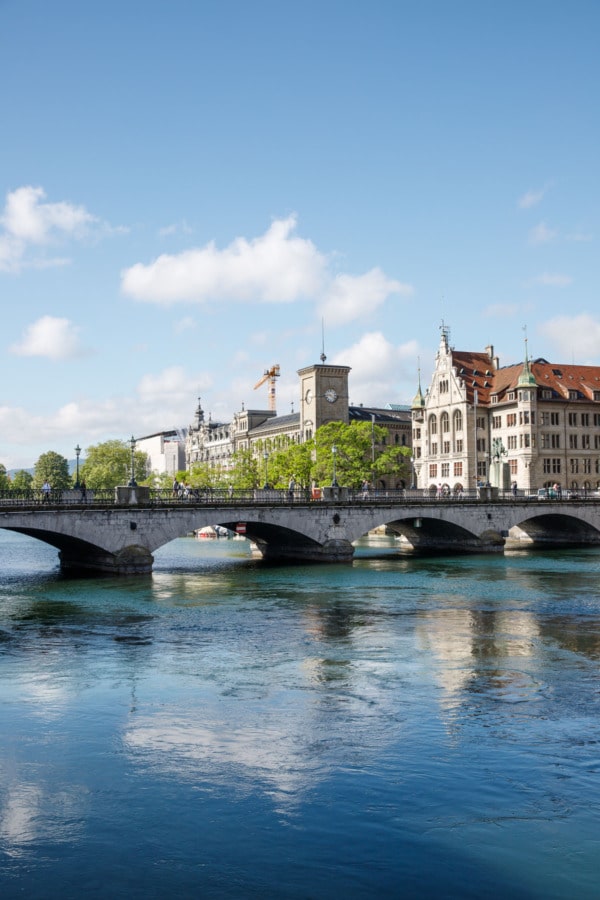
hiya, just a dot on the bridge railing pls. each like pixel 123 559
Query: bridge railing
pixel 271 497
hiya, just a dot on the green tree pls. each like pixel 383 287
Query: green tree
pixel 53 467
pixel 4 479
pixel 22 480
pixel 108 465
pixel 293 461
pixel 394 465
pixel 354 445
pixel 245 473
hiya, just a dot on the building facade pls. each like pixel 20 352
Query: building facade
pixel 323 398
pixel 535 423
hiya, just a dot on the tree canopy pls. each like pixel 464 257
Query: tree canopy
pixel 54 468
pixel 108 465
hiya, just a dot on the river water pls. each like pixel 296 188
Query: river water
pixel 390 728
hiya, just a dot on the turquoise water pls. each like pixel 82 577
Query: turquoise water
pixel 391 728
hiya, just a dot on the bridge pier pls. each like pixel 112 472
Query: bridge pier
pixel 131 560
pixel 330 551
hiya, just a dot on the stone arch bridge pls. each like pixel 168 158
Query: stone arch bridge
pixel 120 538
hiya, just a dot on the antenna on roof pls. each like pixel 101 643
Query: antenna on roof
pixel 323 357
pixel 445 332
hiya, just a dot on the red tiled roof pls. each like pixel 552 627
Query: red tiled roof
pixel 478 374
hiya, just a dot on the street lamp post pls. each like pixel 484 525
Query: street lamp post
pixel 77 452
pixel 132 481
pixel 412 471
pixel 333 456
pixel 373 450
pixel 266 459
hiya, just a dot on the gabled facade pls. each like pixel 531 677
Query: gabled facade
pixel 534 423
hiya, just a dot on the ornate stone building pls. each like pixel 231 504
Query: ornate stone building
pixel 534 423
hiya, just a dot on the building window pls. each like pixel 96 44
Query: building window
pixel 511 420
pixel 585 442
pixel 459 446
pixel 524 417
pixel 496 421
pixel 458 422
pixel 494 399
pixel 481 444
pixel 596 395
pixel 574 466
pixel 547 395
pixel 458 469
pixel 573 419
pixel 434 449
pixel 444 386
pixel 587 466
pixel 585 420
pixel 551 466
pixel 573 395
pixel 481 470
pixel 432 470
pixel 512 441
pixel 446 447
pixel 445 470
pixel 524 440
pixel 416 434
pixel 480 422
pixel 511 395
pixel 572 442
pixel 432 425
pixel 445 422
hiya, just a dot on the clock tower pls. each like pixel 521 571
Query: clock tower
pixel 323 397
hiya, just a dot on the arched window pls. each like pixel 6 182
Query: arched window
pixel 432 424
pixel 445 422
pixel 457 420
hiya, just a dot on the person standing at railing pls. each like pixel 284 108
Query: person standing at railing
pixel 46 491
pixel 83 490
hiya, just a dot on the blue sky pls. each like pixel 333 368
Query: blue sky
pixel 192 192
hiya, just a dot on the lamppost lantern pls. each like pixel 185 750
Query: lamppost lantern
pixel 132 481
pixel 266 459
pixel 77 452
pixel 333 455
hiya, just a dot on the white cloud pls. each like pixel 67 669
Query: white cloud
pixel 176 228
pixel 277 267
pixel 351 297
pixel 579 335
pixel 550 279
pixel 380 369
pixel 531 198
pixel 161 400
pixel 541 234
pixel 28 221
pixel 50 337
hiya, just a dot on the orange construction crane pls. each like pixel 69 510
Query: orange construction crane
pixel 270 376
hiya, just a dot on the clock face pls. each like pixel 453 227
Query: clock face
pixel 330 395
pixel 308 396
